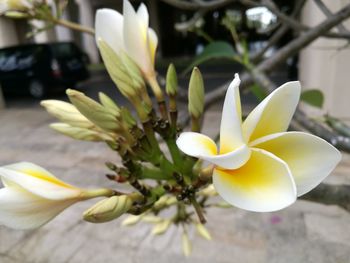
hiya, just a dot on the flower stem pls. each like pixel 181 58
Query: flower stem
pixel 199 210
pixel 73 26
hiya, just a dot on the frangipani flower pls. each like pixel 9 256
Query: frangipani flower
pixel 129 33
pixel 259 166
pixel 32 196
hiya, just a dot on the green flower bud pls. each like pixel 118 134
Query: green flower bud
pixel 127 117
pixel 66 113
pixel 133 71
pixel 16 15
pixel 108 209
pixel 161 227
pixel 94 111
pixel 203 231
pixel 117 71
pixel 80 133
pixel 171 81
pixel 196 94
pixel 109 104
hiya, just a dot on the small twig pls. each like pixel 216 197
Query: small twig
pixel 199 210
pixel 74 26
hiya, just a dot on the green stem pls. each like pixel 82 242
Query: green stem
pixel 88 194
pixel 174 152
pixel 157 174
pixel 73 26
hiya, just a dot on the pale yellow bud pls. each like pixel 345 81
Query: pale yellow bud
pixel 203 231
pixel 208 191
pixel 161 202
pixel 80 133
pixel 161 227
pixel 108 209
pixel 133 71
pixel 94 111
pixel 15 14
pixel 186 244
pixel 196 94
pixel 66 113
pixel 131 220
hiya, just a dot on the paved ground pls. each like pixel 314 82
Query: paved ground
pixel 304 233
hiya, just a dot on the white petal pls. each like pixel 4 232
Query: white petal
pixel 310 158
pixel 39 183
pixel 109 27
pixel 152 44
pixel 136 38
pixel 196 144
pixel 201 146
pixel 274 113
pixel 142 13
pixel 23 210
pixel 231 136
pixel 263 184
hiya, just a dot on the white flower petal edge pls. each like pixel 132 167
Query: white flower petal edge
pixel 39 183
pixel 263 184
pixel 20 209
pixel 274 113
pixel 136 37
pixel 201 146
pixel 109 28
pixel 231 137
pixel 310 158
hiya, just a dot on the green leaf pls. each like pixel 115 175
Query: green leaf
pixel 215 50
pixel 313 97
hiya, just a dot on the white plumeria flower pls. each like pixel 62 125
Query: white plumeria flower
pixel 32 196
pixel 259 166
pixel 129 33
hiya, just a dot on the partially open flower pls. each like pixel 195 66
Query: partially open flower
pixel 32 196
pixel 129 33
pixel 259 166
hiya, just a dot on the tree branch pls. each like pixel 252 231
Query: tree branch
pixel 328 13
pixel 330 195
pixel 196 5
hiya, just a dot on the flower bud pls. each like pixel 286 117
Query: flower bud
pixel 186 244
pixel 66 113
pixel 131 220
pixel 161 227
pixel 94 111
pixel 203 231
pixel 108 209
pixel 196 94
pixel 117 71
pixel 171 81
pixel 15 14
pixel 133 71
pixel 80 133
pixel 109 104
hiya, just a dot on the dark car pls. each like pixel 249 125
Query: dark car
pixel 38 69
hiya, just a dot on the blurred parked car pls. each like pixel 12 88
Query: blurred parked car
pixel 38 69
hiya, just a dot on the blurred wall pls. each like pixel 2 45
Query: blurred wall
pixel 325 64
